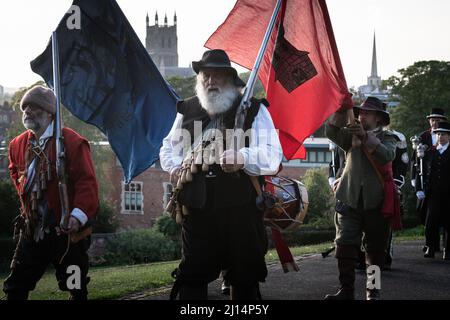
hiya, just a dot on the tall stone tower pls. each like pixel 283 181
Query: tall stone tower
pixel 162 43
pixel 374 80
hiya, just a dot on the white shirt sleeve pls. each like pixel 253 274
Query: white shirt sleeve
pixel 80 216
pixel 264 154
pixel 171 154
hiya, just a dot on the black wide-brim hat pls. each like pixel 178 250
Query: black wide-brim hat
pixel 217 59
pixel 437 113
pixel 375 104
pixel 443 126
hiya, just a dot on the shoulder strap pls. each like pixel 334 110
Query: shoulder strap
pixel 374 165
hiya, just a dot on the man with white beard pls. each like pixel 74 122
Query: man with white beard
pixel 223 229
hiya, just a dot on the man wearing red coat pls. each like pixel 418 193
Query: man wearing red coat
pixel 32 167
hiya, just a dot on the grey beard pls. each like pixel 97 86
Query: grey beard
pixel 32 125
pixel 217 102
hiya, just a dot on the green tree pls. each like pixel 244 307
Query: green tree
pixel 258 91
pixel 184 87
pixel 320 198
pixel 421 86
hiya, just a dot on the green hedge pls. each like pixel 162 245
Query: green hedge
pixel 140 246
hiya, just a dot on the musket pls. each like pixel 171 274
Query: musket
pixel 60 150
pixel 332 148
pixel 421 154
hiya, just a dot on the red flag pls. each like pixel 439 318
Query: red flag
pixel 301 70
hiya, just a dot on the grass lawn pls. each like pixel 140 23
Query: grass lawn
pixel 116 282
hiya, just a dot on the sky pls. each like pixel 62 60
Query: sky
pixel 406 31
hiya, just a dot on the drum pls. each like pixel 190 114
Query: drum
pixel 286 203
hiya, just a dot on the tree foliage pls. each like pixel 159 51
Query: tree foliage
pixel 420 87
pixel 320 198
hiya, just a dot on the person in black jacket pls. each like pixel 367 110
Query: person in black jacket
pixel 437 191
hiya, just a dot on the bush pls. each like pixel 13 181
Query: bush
pixel 168 226
pixel 140 246
pixel 9 207
pixel 106 221
pixel 321 200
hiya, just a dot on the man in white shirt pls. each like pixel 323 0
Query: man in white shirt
pixel 221 227
pixel 437 191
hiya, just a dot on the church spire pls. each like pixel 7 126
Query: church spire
pixel 374 72
pixel 175 18
pixel 156 18
pixel 147 20
pixel 165 20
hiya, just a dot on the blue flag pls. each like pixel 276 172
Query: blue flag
pixel 109 80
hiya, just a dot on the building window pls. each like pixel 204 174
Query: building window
pixel 328 157
pixel 320 156
pixel 312 156
pixel 132 198
pixel 168 187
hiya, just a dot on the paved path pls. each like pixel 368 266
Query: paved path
pixel 412 277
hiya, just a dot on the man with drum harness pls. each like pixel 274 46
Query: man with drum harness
pixel 370 150
pixel 222 229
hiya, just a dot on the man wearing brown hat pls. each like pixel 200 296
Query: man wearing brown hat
pixel 32 167
pixel 437 191
pixel 222 229
pixel 368 146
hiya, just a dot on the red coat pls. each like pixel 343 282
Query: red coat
pixel 82 185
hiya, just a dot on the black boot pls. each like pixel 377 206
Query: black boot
pixel 346 264
pixel 190 292
pixel 244 292
pixel 376 258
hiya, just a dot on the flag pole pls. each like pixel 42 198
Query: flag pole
pixel 60 152
pixel 248 90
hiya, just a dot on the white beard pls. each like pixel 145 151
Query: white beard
pixel 217 102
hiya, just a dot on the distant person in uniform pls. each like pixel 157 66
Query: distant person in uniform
pixel 437 191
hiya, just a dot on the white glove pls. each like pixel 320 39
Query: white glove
pixel 413 183
pixel 420 195
pixel 331 181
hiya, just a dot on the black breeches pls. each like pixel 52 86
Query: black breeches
pixel 33 258
pixel 232 239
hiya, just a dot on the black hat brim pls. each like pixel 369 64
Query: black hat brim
pixel 198 65
pixel 385 114
pixel 440 116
